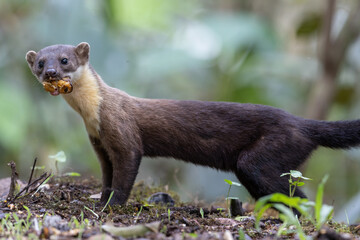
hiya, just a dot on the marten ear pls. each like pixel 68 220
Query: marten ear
pixel 82 50
pixel 30 58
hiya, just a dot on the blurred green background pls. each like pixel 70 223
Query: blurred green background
pixel 255 51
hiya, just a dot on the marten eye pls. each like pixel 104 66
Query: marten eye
pixel 64 61
pixel 41 64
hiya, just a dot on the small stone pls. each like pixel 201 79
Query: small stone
pixel 161 198
pixel 52 221
pixel 236 208
pixel 42 210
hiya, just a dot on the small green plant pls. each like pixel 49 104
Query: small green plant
pixel 231 183
pixel 280 202
pixel 295 180
pixel 220 210
pixel 59 157
pixel 323 212
pixel 202 213
pixel 138 214
pixel 241 234
pixel 169 214
pixel 27 222
pixel 277 201
pixel 90 210
pixel 107 203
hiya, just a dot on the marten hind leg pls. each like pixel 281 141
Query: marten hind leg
pixel 259 170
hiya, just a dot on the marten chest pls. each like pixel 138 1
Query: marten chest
pixel 86 100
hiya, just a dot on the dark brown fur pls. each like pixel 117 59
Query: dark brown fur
pixel 256 142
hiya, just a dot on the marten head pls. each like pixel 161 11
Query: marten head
pixel 58 62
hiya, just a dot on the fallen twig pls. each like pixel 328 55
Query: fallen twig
pixel 31 174
pixel 43 177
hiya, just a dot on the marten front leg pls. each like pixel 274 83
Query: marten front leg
pixel 125 169
pixel 106 169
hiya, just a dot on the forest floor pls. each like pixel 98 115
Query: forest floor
pixel 64 208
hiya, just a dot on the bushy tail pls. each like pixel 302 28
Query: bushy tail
pixel 338 134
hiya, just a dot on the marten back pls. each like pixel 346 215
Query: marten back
pixel 212 133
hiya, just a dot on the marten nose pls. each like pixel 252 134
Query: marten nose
pixel 50 72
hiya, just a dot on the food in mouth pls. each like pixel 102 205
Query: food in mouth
pixel 55 87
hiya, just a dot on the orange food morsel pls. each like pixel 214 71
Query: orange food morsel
pixel 64 86
pixel 49 86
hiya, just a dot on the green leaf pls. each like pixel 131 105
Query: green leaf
pixel 284 174
pixel 111 195
pixel 309 25
pixel 289 218
pixel 300 184
pixel 228 181
pixel 320 214
pixel 236 184
pixel 295 174
pixel 232 183
pixel 260 211
pixel 298 203
pixel 72 174
pixel 306 178
pixel 60 156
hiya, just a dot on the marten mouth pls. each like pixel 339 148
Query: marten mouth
pixel 56 86
pixel 49 79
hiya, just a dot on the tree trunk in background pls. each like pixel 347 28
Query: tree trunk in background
pixel 331 57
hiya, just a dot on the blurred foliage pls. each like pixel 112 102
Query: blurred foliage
pixel 310 25
pixel 244 51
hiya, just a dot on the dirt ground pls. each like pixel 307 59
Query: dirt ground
pixel 65 208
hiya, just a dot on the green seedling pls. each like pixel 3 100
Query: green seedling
pixel 241 234
pixel 169 214
pixel 94 213
pixel 202 213
pixel 295 180
pixel 231 183
pixel 264 203
pixel 27 222
pixel 107 203
pixel 280 202
pixel 323 212
pixel 59 157
pixel 289 219
pixel 277 201
pixel 138 214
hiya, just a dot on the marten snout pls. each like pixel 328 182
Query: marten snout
pixel 51 73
